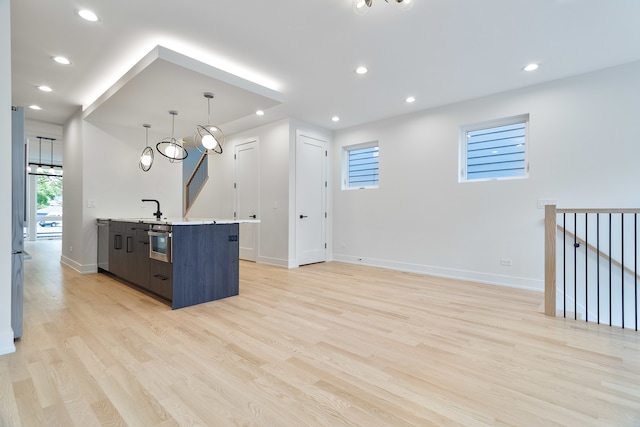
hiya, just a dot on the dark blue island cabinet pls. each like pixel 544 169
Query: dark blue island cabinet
pixel 205 263
pixel 204 260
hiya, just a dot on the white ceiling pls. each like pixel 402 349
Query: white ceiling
pixel 304 54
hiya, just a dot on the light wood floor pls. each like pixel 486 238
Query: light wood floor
pixel 324 345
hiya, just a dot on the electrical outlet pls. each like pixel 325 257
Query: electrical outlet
pixel 91 203
pixel 70 248
pixel 506 262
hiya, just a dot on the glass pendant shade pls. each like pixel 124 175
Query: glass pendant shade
pixel 146 158
pixel 209 138
pixel 172 148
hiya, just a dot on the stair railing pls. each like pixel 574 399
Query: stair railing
pixel 195 183
pixel 600 281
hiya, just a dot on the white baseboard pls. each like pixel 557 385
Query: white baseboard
pixel 450 273
pixel 80 268
pixel 273 261
pixel 6 341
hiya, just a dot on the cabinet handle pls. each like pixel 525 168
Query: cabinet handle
pixel 117 241
pixel 129 244
pixel 161 277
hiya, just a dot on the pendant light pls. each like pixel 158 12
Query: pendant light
pixel 146 158
pixel 39 169
pixel 171 148
pixel 51 170
pixel 209 138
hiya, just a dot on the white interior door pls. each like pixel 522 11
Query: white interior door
pixel 246 196
pixel 310 199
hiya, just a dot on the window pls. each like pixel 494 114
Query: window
pixel 360 166
pixel 494 150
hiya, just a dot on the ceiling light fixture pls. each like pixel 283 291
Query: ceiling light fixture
pixel 35 107
pixel 361 70
pixel 170 147
pixel 61 60
pixel 360 7
pixel 335 119
pixel 88 15
pixel 146 158
pixel 51 171
pixel 410 99
pixel 260 113
pixel 39 169
pixel 531 67
pixel 209 138
pixel 45 88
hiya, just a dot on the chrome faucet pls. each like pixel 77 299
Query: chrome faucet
pixel 157 213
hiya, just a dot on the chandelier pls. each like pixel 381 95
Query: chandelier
pixel 360 7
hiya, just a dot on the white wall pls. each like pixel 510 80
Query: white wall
pixel 217 197
pixel 101 166
pixel 583 152
pixel 72 195
pixel 6 332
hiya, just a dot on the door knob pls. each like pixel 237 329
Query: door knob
pixel 303 216
pixel 252 216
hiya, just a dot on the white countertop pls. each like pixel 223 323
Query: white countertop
pixel 186 221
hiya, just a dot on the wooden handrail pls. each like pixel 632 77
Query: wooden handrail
pixel 603 210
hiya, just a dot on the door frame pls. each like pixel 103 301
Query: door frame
pixel 325 189
pixel 236 212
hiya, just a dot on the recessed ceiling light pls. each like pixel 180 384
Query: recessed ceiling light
pixel 45 88
pixel 335 118
pixel 260 113
pixel 361 70
pixel 61 60
pixel 88 15
pixel 35 107
pixel 410 99
pixel 531 67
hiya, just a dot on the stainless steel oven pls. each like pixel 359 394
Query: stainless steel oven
pixel 160 242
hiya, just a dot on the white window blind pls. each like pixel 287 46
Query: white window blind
pixel 361 166
pixel 497 151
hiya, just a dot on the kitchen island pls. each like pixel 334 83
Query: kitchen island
pixel 186 262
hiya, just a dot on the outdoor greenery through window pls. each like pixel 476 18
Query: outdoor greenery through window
pixel 360 166
pixel 49 191
pixel 493 150
pixel 49 204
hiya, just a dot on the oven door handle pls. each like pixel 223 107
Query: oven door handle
pixel 159 233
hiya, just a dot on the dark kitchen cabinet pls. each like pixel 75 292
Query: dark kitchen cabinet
pixel 129 252
pixel 139 273
pixel 205 263
pixel 160 278
pixel 117 248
